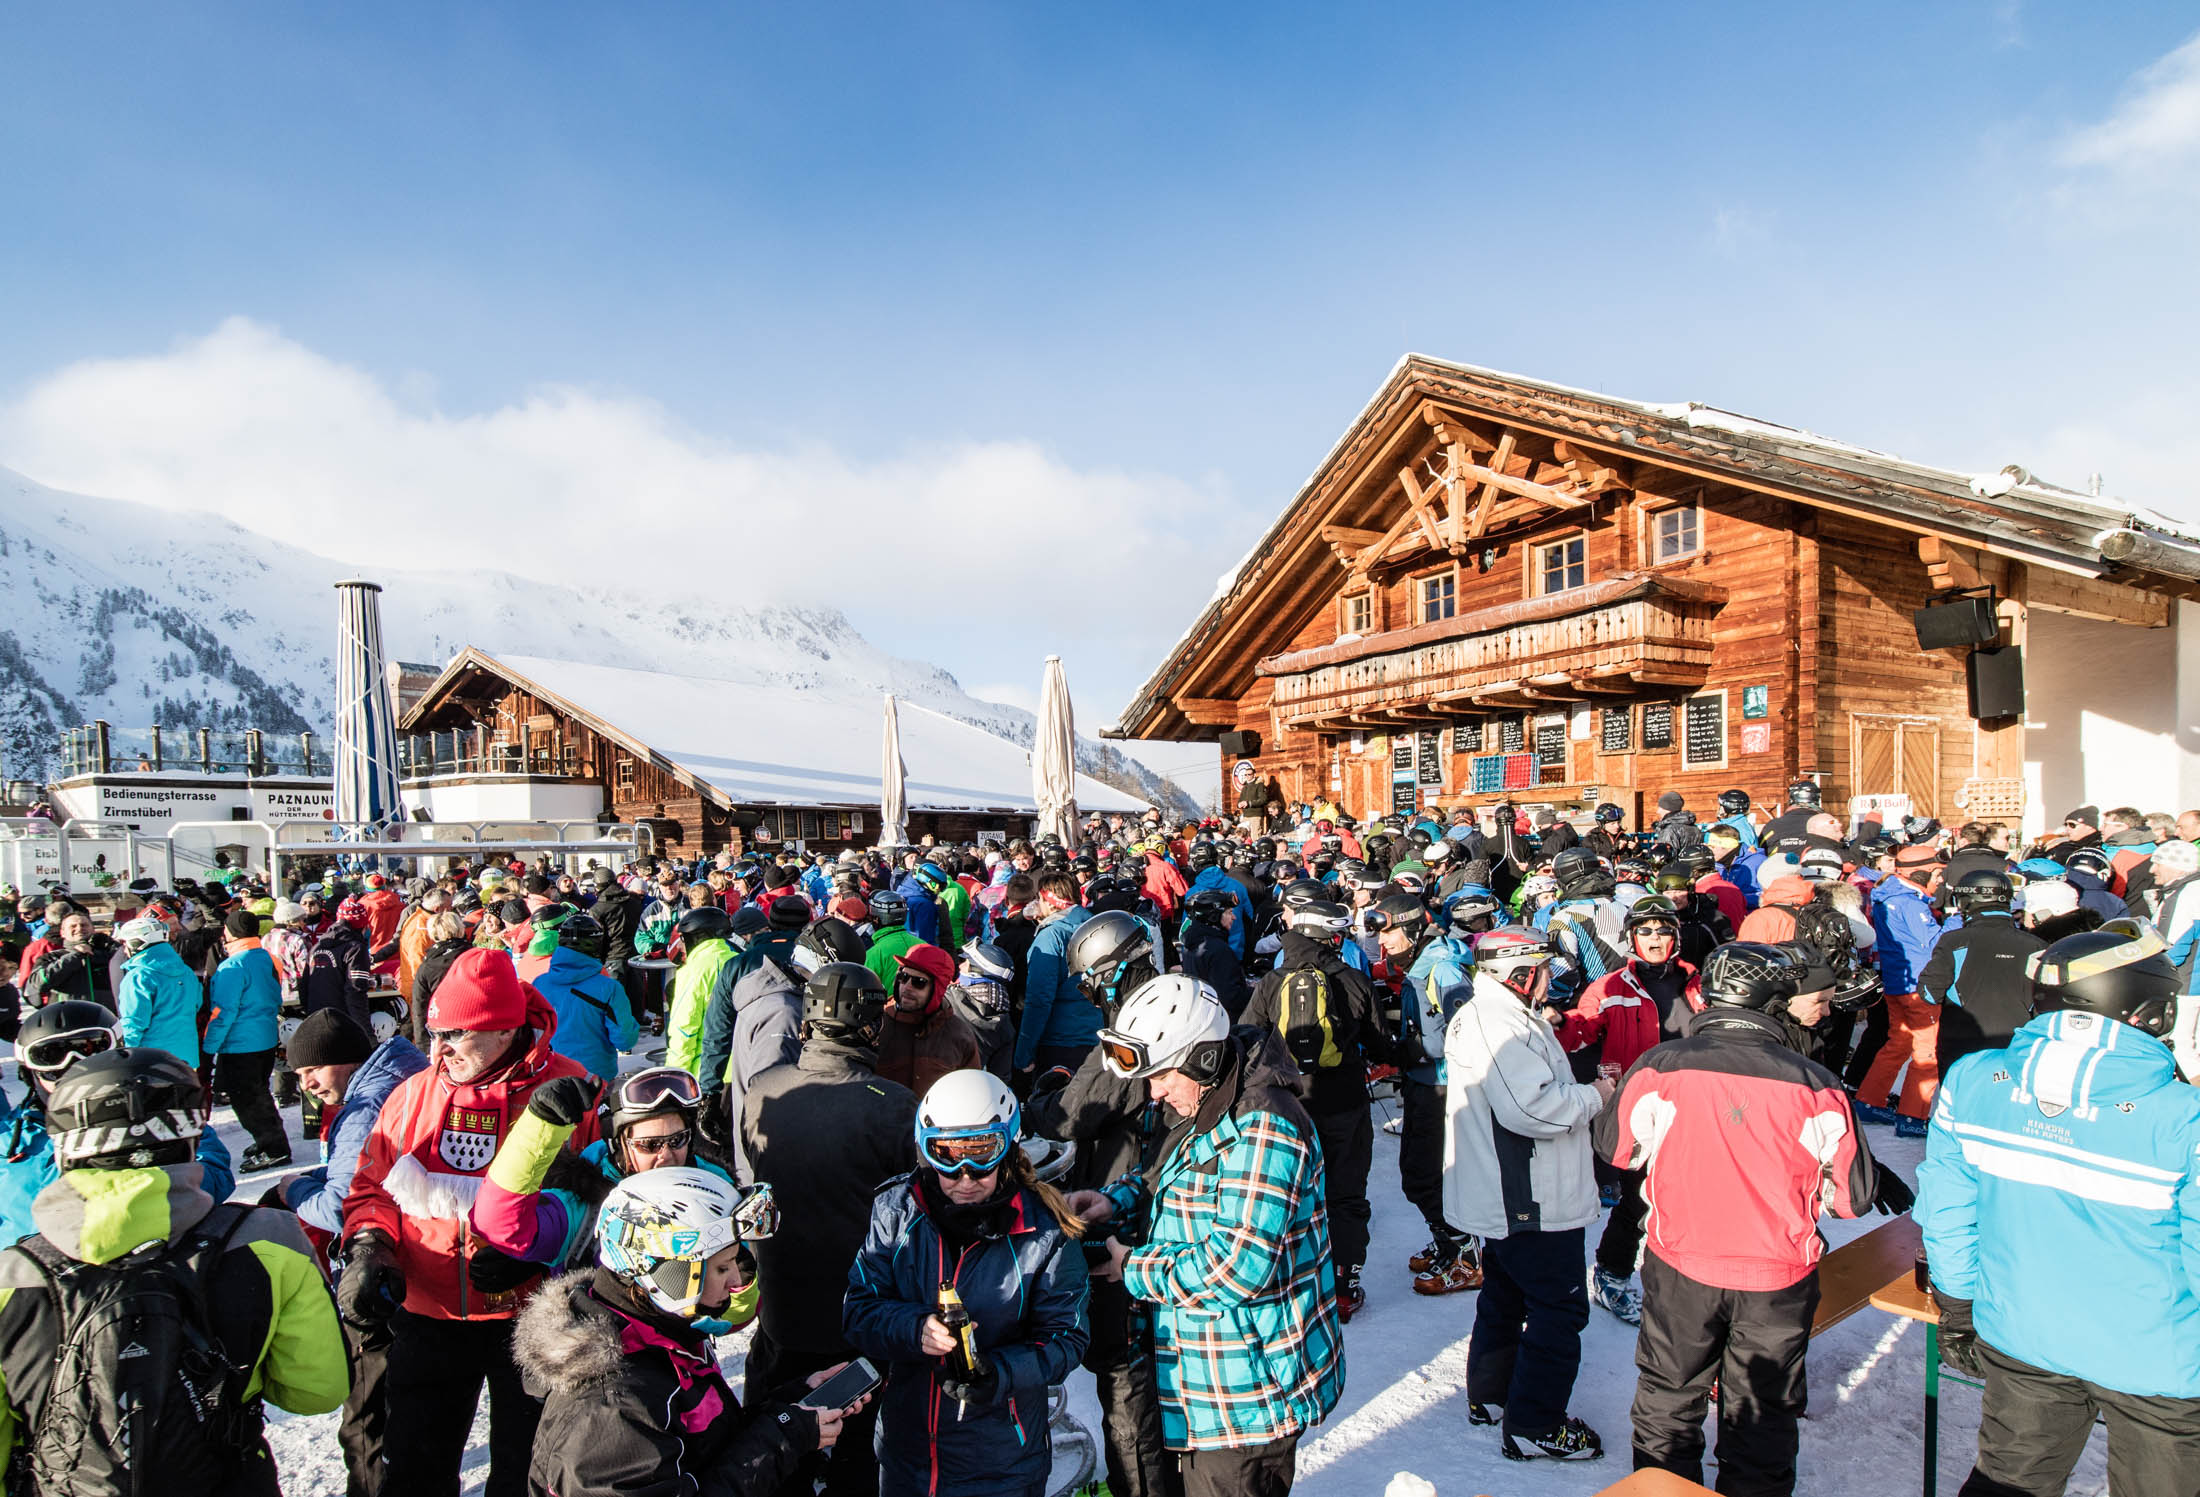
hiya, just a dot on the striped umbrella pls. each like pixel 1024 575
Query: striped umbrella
pixel 366 729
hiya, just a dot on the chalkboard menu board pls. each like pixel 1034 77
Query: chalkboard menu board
pixel 1467 738
pixel 1512 735
pixel 1550 744
pixel 1405 798
pixel 1657 727
pixel 1401 752
pixel 1432 761
pixel 1618 736
pixel 1703 730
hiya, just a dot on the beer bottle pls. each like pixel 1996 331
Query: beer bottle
pixel 965 1361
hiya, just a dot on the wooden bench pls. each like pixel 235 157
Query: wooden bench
pixel 1851 1274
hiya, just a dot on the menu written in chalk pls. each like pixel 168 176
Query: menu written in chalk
pixel 1401 752
pixel 1703 736
pixel 1431 753
pixel 1550 743
pixel 1619 730
pixel 1512 735
pixel 1657 727
pixel 1466 738
pixel 1405 797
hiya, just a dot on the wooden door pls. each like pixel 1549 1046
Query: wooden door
pixel 1897 756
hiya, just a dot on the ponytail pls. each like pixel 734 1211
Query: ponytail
pixel 1023 1175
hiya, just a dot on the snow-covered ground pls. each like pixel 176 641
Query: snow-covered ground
pixel 1405 1409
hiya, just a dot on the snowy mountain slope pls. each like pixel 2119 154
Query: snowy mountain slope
pixel 138 615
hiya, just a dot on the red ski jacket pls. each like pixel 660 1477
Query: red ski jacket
pixel 1746 1143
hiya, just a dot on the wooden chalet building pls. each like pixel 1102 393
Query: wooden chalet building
pixel 708 765
pixel 1494 588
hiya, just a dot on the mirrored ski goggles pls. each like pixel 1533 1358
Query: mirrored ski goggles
pixel 51 1053
pixel 971 1152
pixel 645 1091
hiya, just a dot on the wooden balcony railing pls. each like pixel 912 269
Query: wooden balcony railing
pixel 1619 636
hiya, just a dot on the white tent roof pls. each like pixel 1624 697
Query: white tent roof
pixel 780 745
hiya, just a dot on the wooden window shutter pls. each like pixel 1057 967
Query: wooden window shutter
pixel 1875 758
pixel 1921 767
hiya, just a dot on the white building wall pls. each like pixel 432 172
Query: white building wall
pixel 2112 715
pixel 510 799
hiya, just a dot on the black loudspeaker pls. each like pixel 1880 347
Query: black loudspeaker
pixel 1245 745
pixel 1996 681
pixel 1951 626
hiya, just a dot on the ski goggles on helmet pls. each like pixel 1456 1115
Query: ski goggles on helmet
pixel 656 1089
pixel 50 1054
pixel 758 1217
pixel 965 1151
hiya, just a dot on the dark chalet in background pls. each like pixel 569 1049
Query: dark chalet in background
pixel 1496 589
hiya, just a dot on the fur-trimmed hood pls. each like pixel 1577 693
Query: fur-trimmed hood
pixel 566 1339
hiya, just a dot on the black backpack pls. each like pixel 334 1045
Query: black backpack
pixel 140 1397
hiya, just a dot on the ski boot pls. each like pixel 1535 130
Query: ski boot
pixel 256 1159
pixel 1615 1294
pixel 1571 1441
pixel 1454 1273
pixel 1485 1413
pixel 1351 1298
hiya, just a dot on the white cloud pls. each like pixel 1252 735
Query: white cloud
pixel 583 486
pixel 1736 230
pixel 2154 128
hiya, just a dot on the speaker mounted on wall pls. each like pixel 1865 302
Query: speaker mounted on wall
pixel 1957 623
pixel 1995 680
pixel 1244 744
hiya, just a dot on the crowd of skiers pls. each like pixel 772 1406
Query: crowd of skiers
pixel 944 1122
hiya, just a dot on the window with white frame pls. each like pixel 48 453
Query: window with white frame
pixel 1439 597
pixel 1676 533
pixel 1357 613
pixel 1562 565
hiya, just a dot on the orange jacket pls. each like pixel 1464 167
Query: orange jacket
pixel 385 907
pixel 1773 921
pixel 413 942
pixel 426 1159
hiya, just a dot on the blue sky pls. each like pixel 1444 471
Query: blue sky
pixel 1009 327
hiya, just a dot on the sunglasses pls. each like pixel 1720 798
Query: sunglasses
pixel 669 1143
pixel 450 1036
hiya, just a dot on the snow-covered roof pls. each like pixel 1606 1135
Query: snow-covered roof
pixel 784 745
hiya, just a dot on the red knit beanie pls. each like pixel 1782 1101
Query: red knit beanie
pixel 932 962
pixel 481 990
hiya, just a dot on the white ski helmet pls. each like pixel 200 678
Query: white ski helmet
pixel 146 930
pixel 1172 1023
pixel 967 1123
pixel 657 1230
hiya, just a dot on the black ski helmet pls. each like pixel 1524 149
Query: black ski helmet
pixel 830 939
pixel 1733 802
pixel 1609 814
pixel 1402 912
pixel 582 932
pixel 59 1035
pixel 1580 875
pixel 1210 905
pixel 1749 974
pixel 1202 856
pixel 706 922
pixel 1983 891
pixel 889 911
pixel 1303 891
pixel 844 1000
pixel 125 1109
pixel 1805 793
pixel 2119 972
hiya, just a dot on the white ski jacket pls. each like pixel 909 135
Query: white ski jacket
pixel 1516 1149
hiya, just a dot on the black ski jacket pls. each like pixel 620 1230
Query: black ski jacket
pixel 1976 975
